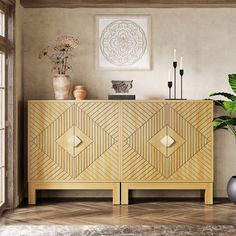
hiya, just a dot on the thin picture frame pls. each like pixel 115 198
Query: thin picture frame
pixel 137 67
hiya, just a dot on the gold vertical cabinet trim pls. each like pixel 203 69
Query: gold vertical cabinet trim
pixel 123 145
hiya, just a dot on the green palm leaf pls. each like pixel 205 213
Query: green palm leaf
pixel 232 82
pixel 227 122
pixel 225 119
pixel 218 124
pixel 230 107
pixel 227 95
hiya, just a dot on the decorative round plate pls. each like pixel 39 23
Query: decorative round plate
pixel 123 42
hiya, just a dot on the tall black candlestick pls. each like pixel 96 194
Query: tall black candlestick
pixel 175 66
pixel 169 86
pixel 181 72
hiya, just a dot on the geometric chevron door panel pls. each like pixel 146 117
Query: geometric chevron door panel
pixel 47 121
pixel 99 121
pixel 141 160
pixel 193 161
pixel 73 142
pixel 169 141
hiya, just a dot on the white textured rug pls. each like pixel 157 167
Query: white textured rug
pixel 122 230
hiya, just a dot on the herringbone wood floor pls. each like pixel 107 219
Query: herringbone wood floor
pixel 103 212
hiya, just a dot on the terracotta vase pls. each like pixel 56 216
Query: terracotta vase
pixel 80 92
pixel 62 86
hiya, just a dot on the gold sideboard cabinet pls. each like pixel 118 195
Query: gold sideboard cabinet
pixel 147 144
pixel 167 145
pixel 73 146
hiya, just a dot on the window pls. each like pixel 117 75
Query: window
pixel 2 23
pixel 3 43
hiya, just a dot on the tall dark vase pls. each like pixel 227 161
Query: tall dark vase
pixel 231 189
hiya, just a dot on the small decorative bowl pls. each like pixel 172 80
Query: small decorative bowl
pixel 122 86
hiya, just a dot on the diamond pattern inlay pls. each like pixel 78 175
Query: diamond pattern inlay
pixel 76 138
pixel 74 141
pixel 166 144
pixel 149 140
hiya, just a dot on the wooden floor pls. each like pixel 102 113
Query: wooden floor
pixel 140 212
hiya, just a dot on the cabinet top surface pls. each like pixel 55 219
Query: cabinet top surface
pixel 147 100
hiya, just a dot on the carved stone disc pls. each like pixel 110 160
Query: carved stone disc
pixel 123 42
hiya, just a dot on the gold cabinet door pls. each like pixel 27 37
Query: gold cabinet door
pixel 97 125
pixel 167 141
pixel 191 122
pixel 141 160
pixel 48 121
pixel 71 141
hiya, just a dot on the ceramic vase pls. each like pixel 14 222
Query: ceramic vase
pixel 62 86
pixel 231 189
pixel 80 92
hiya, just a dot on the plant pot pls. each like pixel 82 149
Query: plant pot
pixel 231 189
pixel 62 86
pixel 80 92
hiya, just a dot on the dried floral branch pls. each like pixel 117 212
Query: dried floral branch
pixel 60 53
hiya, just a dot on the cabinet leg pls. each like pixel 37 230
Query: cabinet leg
pixel 124 194
pixel 116 194
pixel 31 194
pixel 209 194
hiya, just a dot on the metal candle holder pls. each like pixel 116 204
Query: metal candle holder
pixel 175 66
pixel 181 72
pixel 170 86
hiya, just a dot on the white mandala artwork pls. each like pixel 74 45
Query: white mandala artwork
pixel 123 42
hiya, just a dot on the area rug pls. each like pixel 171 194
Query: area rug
pixel 124 230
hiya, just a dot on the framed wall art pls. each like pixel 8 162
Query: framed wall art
pixel 123 42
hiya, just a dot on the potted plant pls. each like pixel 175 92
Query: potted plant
pixel 59 55
pixel 228 122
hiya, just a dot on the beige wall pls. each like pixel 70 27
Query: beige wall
pixel 204 37
pixel 18 137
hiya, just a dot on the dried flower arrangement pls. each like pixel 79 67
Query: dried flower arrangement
pixel 60 53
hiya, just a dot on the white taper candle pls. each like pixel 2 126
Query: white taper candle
pixel 169 75
pixel 181 63
pixel 174 54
